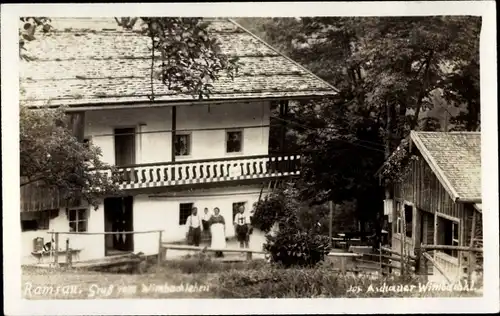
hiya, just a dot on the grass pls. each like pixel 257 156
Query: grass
pixel 199 276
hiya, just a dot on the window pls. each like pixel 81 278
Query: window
pixel 78 220
pixel 185 210
pixel 449 234
pixel 398 218
pixel 408 220
pixel 234 141
pixel 31 221
pixel 236 207
pixel 183 145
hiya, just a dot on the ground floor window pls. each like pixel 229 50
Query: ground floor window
pixel 185 210
pixel 32 221
pixel 78 219
pixel 408 209
pixel 449 234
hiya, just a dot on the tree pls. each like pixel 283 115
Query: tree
pixel 189 59
pixel 387 70
pixel 51 155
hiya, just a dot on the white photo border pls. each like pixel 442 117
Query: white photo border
pixel 14 305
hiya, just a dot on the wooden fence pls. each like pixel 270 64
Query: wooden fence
pixel 53 252
pixel 423 258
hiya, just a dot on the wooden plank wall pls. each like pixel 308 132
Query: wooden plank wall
pixel 423 189
pixel 35 197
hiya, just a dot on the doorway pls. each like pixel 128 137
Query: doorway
pixel 124 146
pixel 118 217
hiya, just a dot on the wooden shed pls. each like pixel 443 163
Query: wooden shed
pixel 439 200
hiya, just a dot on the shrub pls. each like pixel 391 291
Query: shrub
pixel 268 211
pixel 291 246
pixel 298 240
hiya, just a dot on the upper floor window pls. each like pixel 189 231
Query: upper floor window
pixel 182 144
pixel 234 141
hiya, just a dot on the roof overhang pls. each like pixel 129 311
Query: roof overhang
pixel 159 104
pixel 479 207
pixel 434 167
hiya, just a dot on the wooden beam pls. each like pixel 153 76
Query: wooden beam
pixel 471 257
pixel 436 265
pixel 447 247
pixel 434 240
pixel 174 127
pixel 330 222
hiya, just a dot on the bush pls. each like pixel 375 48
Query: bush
pixel 298 240
pixel 268 211
pixel 291 247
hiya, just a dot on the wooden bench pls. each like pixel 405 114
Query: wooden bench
pixel 50 253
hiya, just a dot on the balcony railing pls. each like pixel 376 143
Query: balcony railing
pixel 207 171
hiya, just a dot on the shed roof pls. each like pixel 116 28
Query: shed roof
pixel 92 61
pixel 455 158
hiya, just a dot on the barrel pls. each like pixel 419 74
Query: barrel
pixel 38 244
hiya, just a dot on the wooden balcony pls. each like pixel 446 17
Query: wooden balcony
pixel 208 171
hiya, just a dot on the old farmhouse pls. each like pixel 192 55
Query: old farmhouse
pixel 175 152
pixel 439 201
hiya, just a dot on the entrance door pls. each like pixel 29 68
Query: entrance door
pixel 124 146
pixel 118 214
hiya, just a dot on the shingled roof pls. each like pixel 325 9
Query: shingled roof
pixel 455 158
pixel 92 61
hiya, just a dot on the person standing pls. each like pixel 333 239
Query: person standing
pixel 218 231
pixel 241 227
pixel 206 220
pixel 194 227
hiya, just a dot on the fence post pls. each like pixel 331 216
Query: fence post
pixel 418 255
pixel 426 268
pixel 343 265
pixel 160 249
pixel 68 254
pixel 380 258
pixel 471 256
pixel 249 255
pixel 56 249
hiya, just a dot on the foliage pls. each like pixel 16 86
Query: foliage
pixel 52 156
pixel 387 70
pixel 297 247
pixel 191 59
pixel 397 166
pixel 202 262
pixel 318 282
pixel 28 30
pixel 298 241
pixel 268 211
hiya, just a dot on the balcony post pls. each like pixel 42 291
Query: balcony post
pixel 174 127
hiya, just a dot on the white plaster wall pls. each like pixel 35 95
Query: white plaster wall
pixel 162 213
pixel 92 245
pixel 150 147
pixel 206 144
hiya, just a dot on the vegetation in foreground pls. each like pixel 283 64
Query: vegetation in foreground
pixel 200 276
